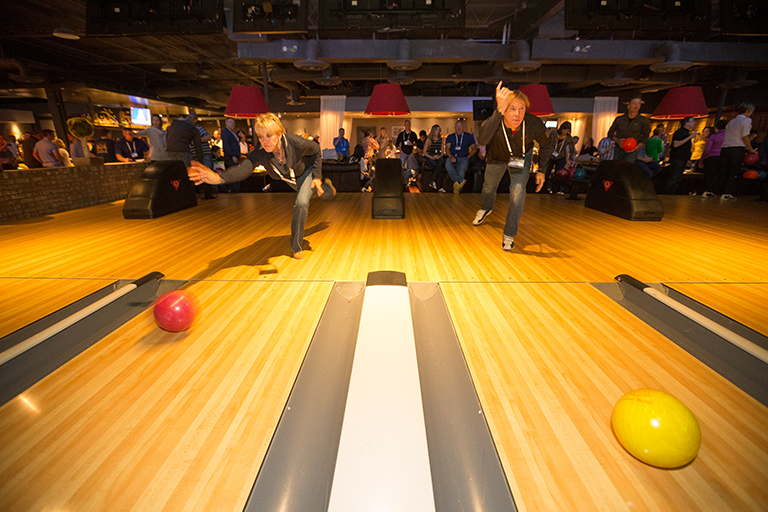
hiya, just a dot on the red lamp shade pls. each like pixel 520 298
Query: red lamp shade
pixel 387 100
pixel 538 95
pixel 245 101
pixel 682 102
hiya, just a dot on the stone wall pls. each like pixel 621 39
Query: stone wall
pixel 37 192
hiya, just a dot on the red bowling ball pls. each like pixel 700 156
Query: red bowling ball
pixel 751 158
pixel 629 144
pixel 751 175
pixel 175 311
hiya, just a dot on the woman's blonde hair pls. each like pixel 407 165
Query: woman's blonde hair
pixel 60 143
pixel 517 95
pixel 269 122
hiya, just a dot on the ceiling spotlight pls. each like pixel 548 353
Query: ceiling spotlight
pixel 456 71
pixel 168 68
pixel 66 33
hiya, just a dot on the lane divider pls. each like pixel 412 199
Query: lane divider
pixel 56 328
pixel 727 334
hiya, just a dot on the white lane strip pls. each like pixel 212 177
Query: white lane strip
pixel 56 328
pixel 705 322
pixel 383 462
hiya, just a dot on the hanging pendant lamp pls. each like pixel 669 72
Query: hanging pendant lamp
pixel 538 95
pixel 387 100
pixel 682 102
pixel 245 101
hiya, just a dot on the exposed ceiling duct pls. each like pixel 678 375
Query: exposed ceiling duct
pixel 22 76
pixel 312 63
pixel 404 61
pixel 522 56
pixel 194 91
pixel 670 51
pixel 294 98
pixel 618 79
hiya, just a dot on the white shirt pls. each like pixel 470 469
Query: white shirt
pixel 737 128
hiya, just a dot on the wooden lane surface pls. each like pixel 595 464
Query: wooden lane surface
pixel 23 301
pixel 745 303
pixel 237 235
pixel 154 421
pixel 550 361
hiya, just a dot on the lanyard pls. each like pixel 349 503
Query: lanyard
pixel 504 129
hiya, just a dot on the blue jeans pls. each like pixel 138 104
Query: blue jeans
pixel 650 169
pixel 405 161
pixel 301 209
pixel 457 170
pixel 518 179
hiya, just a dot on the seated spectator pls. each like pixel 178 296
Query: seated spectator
pixel 588 150
pixel 46 152
pixel 605 148
pixel 417 157
pixel 459 146
pixel 130 148
pixel 649 156
pixel 434 160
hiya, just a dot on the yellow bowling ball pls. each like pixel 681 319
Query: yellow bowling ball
pixel 656 428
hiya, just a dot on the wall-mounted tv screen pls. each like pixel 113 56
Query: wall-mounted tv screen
pixel 141 116
pixel 552 123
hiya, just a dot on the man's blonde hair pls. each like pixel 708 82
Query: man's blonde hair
pixel 517 95
pixel 269 122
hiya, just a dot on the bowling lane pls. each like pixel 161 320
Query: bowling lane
pixel 155 421
pixel 23 301
pixel 745 303
pixel 549 362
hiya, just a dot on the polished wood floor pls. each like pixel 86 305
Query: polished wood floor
pixel 147 420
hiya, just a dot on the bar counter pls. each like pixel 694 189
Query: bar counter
pixel 27 193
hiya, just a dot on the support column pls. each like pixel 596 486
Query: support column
pixel 56 106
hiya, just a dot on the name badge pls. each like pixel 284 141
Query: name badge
pixel 134 155
pixel 406 142
pixel 457 148
pixel 516 162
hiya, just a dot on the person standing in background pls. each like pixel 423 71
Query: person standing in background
pixel 341 144
pixel 631 124
pixel 46 152
pixel 736 143
pixel 680 153
pixel 28 150
pixel 156 136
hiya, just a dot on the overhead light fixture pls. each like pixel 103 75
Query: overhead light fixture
pixel 387 100
pixel 538 95
pixel 404 61
pixel 672 63
pixel 522 62
pixel 294 98
pixel 682 102
pixel 66 33
pixel 401 78
pixel 311 63
pixel 245 101
pixel 456 71
pixel 168 68
pixel 330 77
pixel 739 82
pixel 618 79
